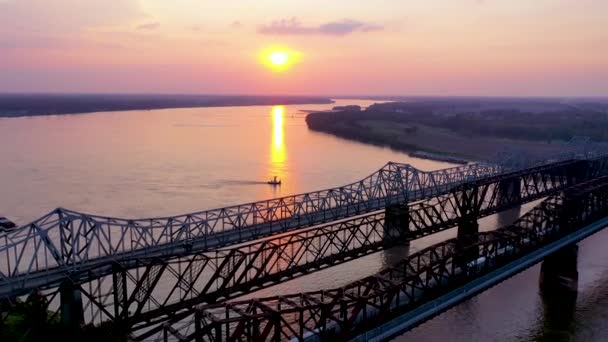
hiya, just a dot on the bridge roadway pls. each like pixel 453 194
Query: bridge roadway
pixel 66 242
pixel 422 285
pixel 539 178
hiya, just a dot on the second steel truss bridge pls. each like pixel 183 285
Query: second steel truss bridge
pixel 429 276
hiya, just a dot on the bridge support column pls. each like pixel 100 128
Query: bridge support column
pixel 468 204
pixel 559 273
pixel 509 191
pixel 72 314
pixel 578 172
pixel 467 226
pixel 396 222
pixel 598 167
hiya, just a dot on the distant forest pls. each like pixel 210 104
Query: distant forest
pixel 522 119
pixel 14 105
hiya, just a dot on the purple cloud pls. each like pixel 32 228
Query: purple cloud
pixel 149 26
pixel 348 26
pixel 293 26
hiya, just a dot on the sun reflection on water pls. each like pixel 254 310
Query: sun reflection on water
pixel 278 154
pixel 278 144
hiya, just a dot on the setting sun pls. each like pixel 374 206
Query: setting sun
pixel 279 58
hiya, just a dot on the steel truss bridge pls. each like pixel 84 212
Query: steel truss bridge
pixel 347 311
pixel 72 241
pixel 150 276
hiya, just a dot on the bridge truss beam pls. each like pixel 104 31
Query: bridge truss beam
pixel 343 312
pixel 72 240
pixel 128 293
pixel 481 197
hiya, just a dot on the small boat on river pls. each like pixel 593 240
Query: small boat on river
pixel 274 181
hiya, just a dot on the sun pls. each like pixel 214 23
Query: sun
pixel 279 59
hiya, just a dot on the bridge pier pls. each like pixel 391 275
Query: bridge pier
pixel 396 222
pixel 509 191
pixel 467 226
pixel 559 273
pixel 598 167
pixel 578 172
pixel 72 315
pixel 558 314
pixel 468 204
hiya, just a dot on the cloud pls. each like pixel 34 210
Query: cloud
pixel 347 26
pixel 149 26
pixel 236 24
pixel 342 27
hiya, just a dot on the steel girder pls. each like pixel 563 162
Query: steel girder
pixel 342 241
pixel 123 292
pixel 43 270
pixel 343 312
pixel 71 240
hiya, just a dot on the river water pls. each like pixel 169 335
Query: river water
pixel 165 162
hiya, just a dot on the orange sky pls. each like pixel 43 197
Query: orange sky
pixel 392 47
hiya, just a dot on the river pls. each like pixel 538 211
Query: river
pixel 173 161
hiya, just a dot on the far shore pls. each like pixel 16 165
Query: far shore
pixel 23 105
pixel 423 141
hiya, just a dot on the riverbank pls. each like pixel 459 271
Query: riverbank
pixel 18 105
pixel 439 157
pixel 421 140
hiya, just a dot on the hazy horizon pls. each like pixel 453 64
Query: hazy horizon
pixel 311 95
pixel 344 48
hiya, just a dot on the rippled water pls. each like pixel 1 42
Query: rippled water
pixel 166 162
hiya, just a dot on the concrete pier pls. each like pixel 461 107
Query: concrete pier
pixel 559 273
pixel 71 305
pixel 396 222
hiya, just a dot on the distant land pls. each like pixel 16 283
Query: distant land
pixel 469 128
pixel 16 105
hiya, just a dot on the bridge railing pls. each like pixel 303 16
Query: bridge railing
pixel 67 238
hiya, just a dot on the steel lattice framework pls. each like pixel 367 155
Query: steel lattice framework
pixel 159 267
pixel 65 243
pixel 343 312
pixel 140 293
pixel 70 239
